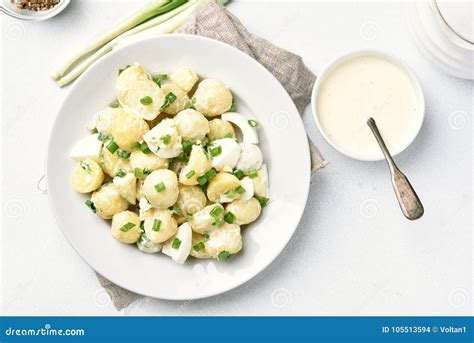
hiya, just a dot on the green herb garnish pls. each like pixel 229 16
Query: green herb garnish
pixel 166 139
pixel 121 173
pixel 144 148
pixel 218 223
pixel 86 166
pixel 146 101
pixel 102 137
pixel 124 68
pixel 91 205
pixel 123 154
pixel 160 187
pixel 156 225
pixel 159 78
pixel 199 246
pixel 216 211
pixel 202 180
pixel 223 255
pixel 263 200
pixel 127 227
pixel 135 145
pixel 216 151
pixel 239 174
pixel 211 174
pixel 176 243
pixel 114 104
pixel 229 217
pixel 240 190
pixel 233 107
pixel 253 174
pixel 253 123
pixel 169 99
pixel 190 174
pixel 112 147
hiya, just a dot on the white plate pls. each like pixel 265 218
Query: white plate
pixel 283 142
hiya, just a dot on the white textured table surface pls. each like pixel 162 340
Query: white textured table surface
pixel 353 253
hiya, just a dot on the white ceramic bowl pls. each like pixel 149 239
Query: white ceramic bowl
pixel 282 140
pixel 416 86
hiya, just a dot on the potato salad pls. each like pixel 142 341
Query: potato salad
pixel 173 165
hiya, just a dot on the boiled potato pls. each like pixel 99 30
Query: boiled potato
pixel 221 188
pixel 150 161
pixel 147 246
pixel 159 225
pixel 127 187
pixel 107 201
pixel 191 199
pixel 199 163
pixel 161 188
pixel 126 227
pixel 251 158
pixel 191 125
pixel 208 219
pixel 127 129
pixel 140 192
pixel 219 128
pixel 226 240
pixel 260 183
pixel 180 103
pixel 138 94
pixel 245 211
pixel 164 140
pixel 212 98
pixel 185 77
pixel 198 249
pixel 104 120
pixel 112 163
pixel 87 176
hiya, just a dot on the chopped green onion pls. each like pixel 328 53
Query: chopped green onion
pixel 139 174
pixel 112 147
pixel 176 243
pixel 91 205
pixel 216 151
pixel 263 200
pixel 206 236
pixel 102 137
pixel 160 187
pixel 229 217
pixel 166 139
pixel 176 210
pixel 127 227
pixel 218 223
pixel 239 174
pixel 160 77
pixel 86 166
pixel 114 104
pixel 199 246
pixel 144 148
pixel 240 190
pixel 169 99
pixel 233 107
pixel 146 101
pixel 223 255
pixel 190 174
pixel 253 174
pixel 211 174
pixel 192 102
pixel 231 193
pixel 124 68
pixel 147 171
pixel 253 123
pixel 123 154
pixel 216 211
pixel 202 180
pixel 229 135
pixel 187 146
pixel 142 227
pixel 156 225
pixel 121 173
pixel 135 145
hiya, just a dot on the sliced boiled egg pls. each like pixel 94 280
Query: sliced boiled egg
pixel 247 184
pixel 225 153
pixel 251 158
pixel 179 246
pixel 87 148
pixel 247 126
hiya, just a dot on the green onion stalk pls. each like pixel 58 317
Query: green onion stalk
pixel 156 18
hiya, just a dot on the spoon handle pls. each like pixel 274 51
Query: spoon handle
pixel 409 202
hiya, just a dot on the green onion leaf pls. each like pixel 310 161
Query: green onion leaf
pixel 206 237
pixel 135 145
pixel 239 174
pixel 91 205
pixel 216 211
pixel 166 139
pixel 112 147
pixel 229 217
pixel 138 173
pixel 176 243
pixel 159 78
pixel 176 210
pixel 218 223
pixel 102 137
pixel 169 99
pixel 144 148
pixel 160 187
pixel 86 166
pixel 240 190
pixel 253 123
pixel 233 107
pixel 229 135
pixel 114 104
pixel 231 193
pixel 187 146
pixel 253 174
pixel 202 180
pixel 156 225
pixel 127 227
pixel 124 68
pixel 190 174
pixel 146 101
pixel 216 151
pixel 142 227
pixel 263 201
pixel 121 173
pixel 223 255
pixel 199 246
pixel 123 154
pixel 211 174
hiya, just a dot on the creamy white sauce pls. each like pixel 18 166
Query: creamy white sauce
pixel 363 87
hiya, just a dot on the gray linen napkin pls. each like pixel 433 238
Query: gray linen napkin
pixel 212 20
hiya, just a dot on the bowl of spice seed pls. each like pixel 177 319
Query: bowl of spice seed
pixel 33 9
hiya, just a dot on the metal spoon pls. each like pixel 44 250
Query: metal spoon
pixel 409 202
